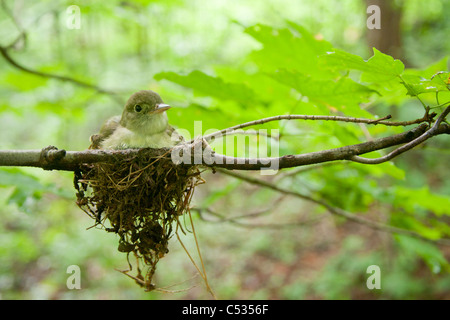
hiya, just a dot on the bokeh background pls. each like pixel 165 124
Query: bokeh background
pixel 270 254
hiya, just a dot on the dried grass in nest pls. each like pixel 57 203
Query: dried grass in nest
pixel 141 197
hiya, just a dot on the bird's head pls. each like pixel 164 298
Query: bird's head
pixel 145 112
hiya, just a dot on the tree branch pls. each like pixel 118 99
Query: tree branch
pixel 4 52
pixel 334 210
pixel 288 161
pixel 425 118
pixel 199 153
pixel 425 136
pixel 194 154
pixel 235 221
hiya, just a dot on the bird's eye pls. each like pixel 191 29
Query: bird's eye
pixel 137 108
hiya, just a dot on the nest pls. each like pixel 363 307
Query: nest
pixel 141 197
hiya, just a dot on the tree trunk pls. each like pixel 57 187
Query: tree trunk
pixel 388 38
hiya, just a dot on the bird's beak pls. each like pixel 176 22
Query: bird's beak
pixel 161 108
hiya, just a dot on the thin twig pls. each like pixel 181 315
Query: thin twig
pixel 4 52
pixel 22 34
pixel 425 136
pixel 300 170
pixel 234 220
pixel 312 117
pixel 333 210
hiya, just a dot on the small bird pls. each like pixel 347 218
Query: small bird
pixel 143 124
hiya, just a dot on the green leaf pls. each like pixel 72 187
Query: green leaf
pixel 428 252
pixel 382 169
pixel 294 49
pixel 340 59
pixel 413 223
pixel 25 185
pixel 24 81
pixel 268 90
pixel 417 85
pixel 379 68
pixel 215 195
pixel 21 245
pixel 415 199
pixel 206 85
pixel 337 93
pixel 317 45
pixel 431 70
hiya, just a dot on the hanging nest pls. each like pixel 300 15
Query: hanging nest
pixel 141 197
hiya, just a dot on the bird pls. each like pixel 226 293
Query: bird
pixel 143 124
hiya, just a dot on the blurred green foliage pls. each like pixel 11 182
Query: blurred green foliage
pixel 226 63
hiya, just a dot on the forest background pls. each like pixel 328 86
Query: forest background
pixel 216 61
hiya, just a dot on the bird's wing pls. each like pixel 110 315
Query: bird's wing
pixel 105 131
pixel 175 136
